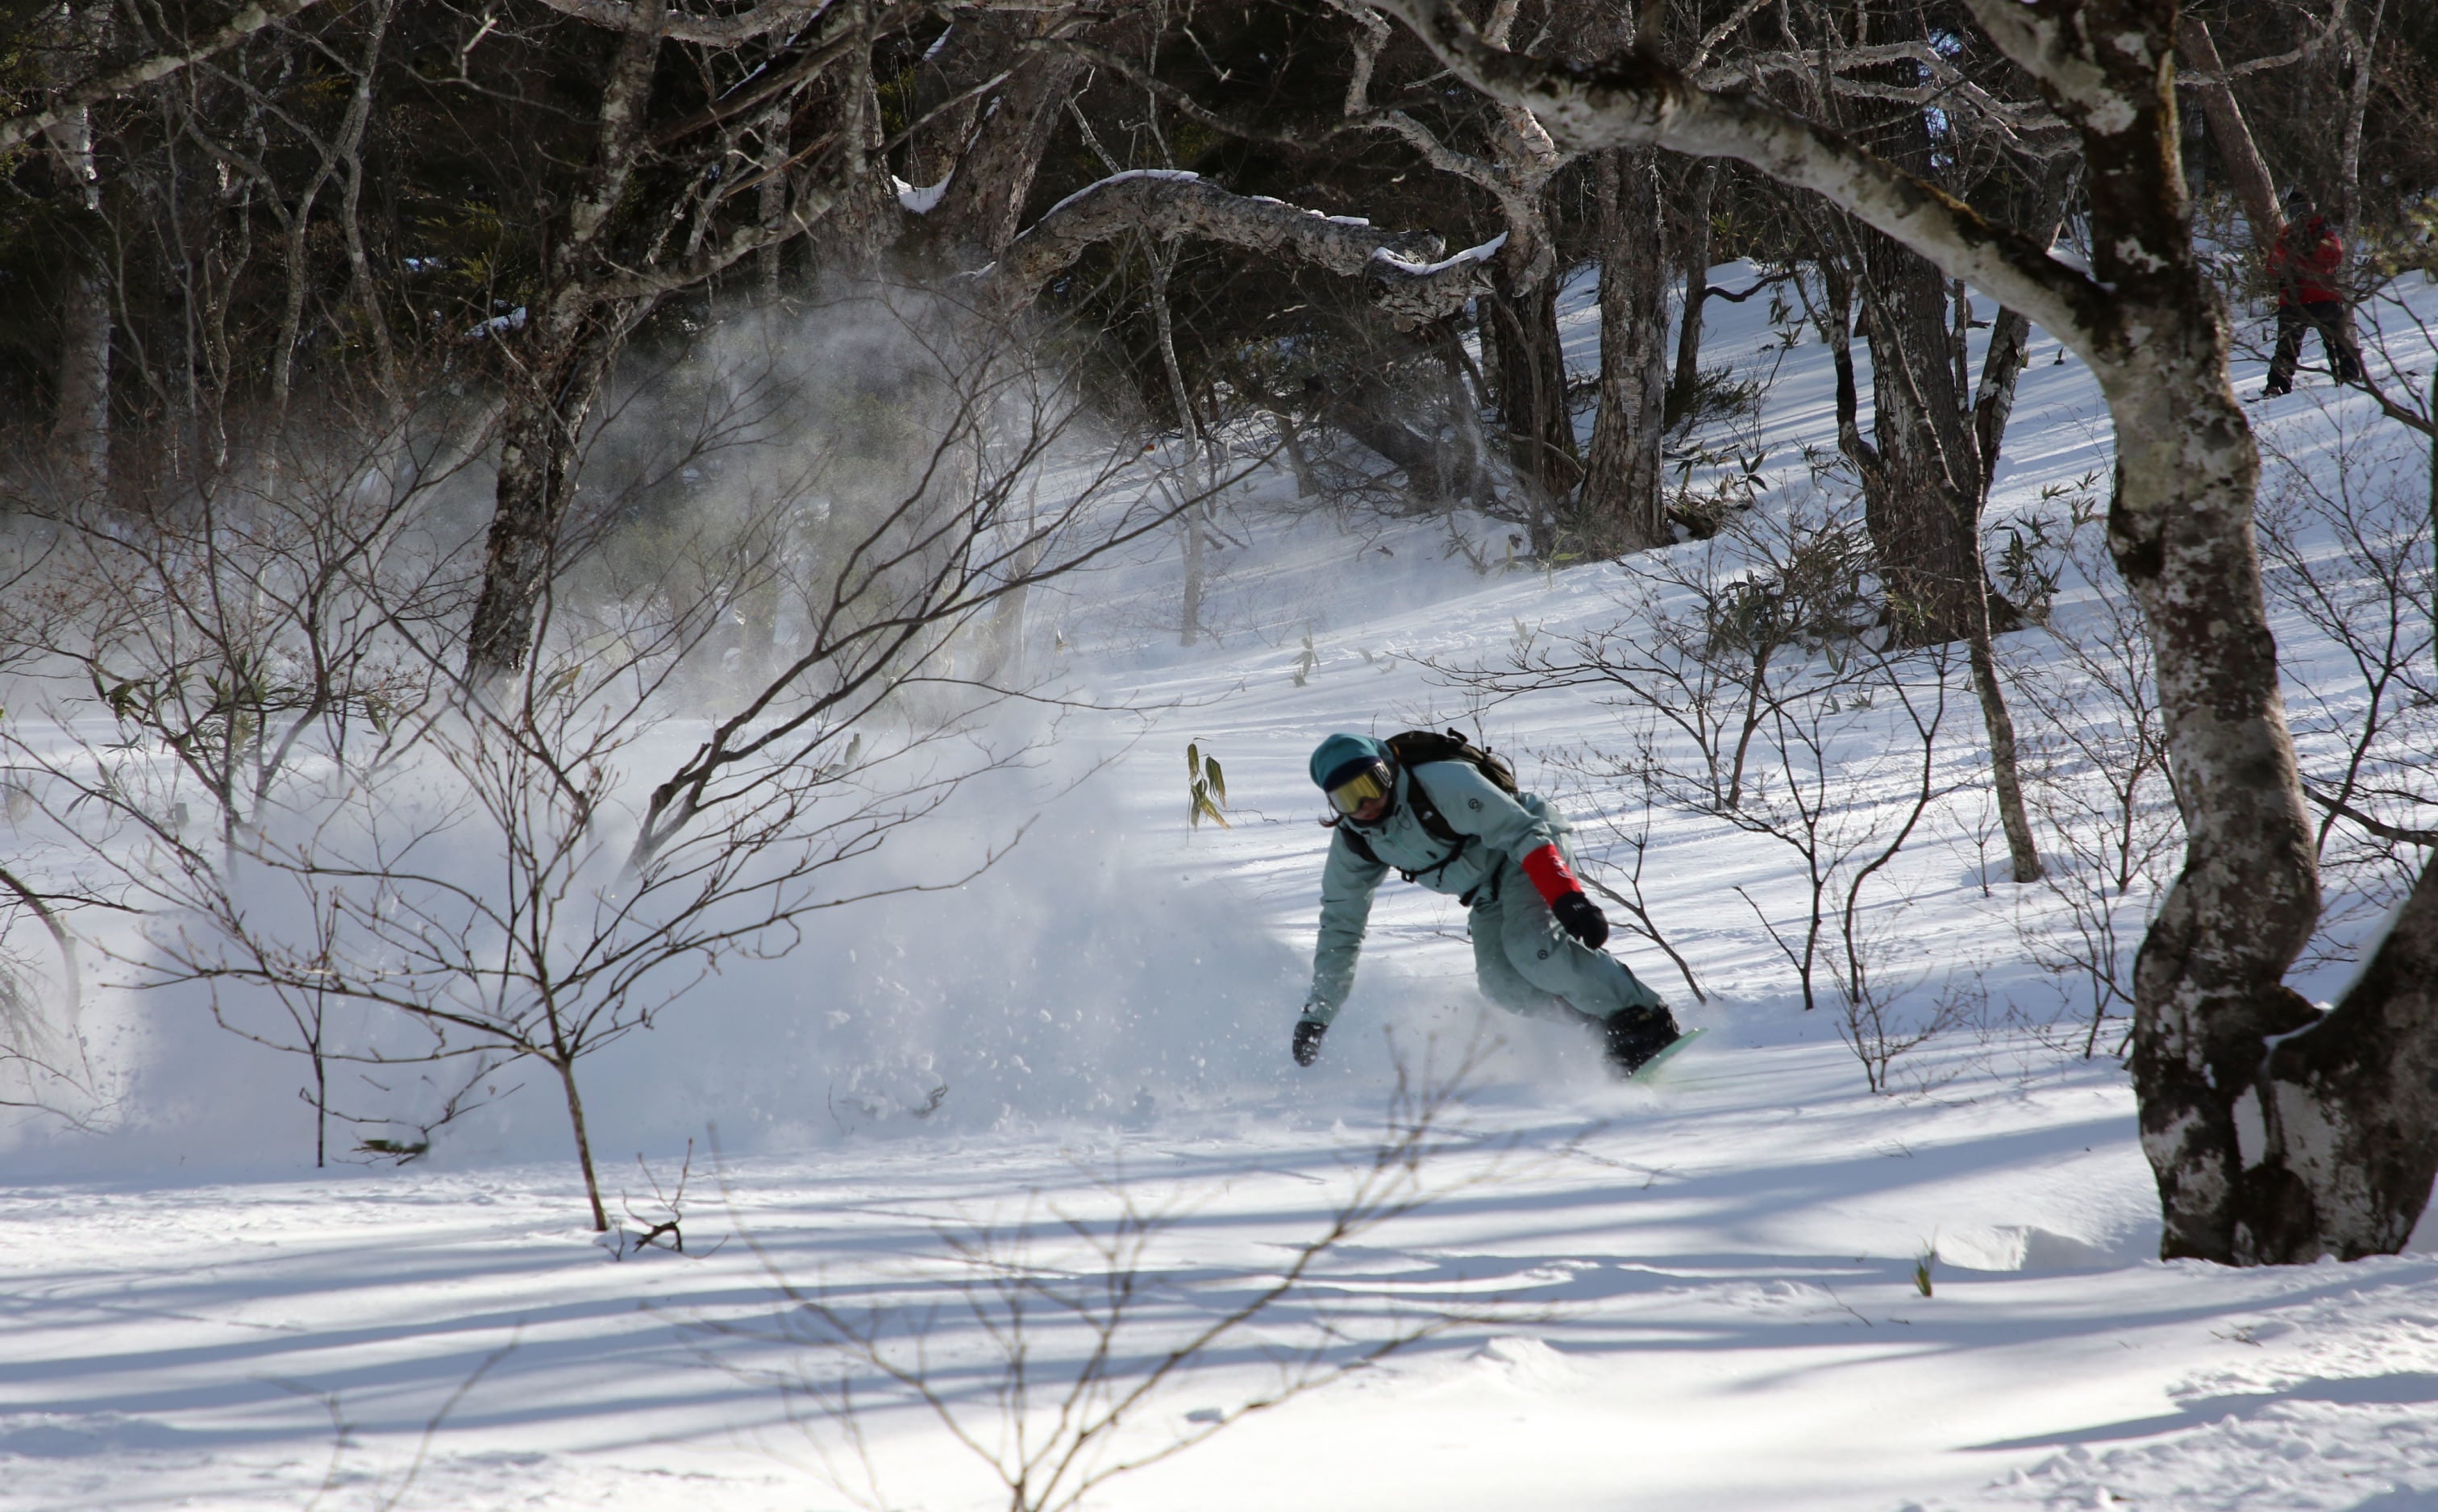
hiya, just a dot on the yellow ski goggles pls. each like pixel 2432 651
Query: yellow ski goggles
pixel 1369 783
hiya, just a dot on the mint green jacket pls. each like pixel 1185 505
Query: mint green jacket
pixel 1497 830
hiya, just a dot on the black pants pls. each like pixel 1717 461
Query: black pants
pixel 2327 317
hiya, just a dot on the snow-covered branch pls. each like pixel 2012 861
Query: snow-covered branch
pixel 1415 283
pixel 679 25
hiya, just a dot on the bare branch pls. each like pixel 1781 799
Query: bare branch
pixel 248 21
pixel 1635 100
pixel 2214 73
pixel 2380 828
pixel 71 980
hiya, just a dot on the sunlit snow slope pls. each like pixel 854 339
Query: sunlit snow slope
pixel 1755 1287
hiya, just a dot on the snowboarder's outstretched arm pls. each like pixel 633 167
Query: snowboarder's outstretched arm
pixel 1347 885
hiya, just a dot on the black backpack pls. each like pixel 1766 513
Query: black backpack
pixel 1414 747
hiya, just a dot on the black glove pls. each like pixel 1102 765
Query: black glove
pixel 1307 1040
pixel 1580 917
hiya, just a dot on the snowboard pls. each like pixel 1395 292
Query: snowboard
pixel 1643 1073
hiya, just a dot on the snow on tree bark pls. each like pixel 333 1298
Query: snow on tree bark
pixel 1415 285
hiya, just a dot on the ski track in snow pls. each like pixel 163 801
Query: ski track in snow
pixel 1698 1294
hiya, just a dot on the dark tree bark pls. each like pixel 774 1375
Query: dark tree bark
pixel 1532 385
pixel 864 218
pixel 1620 508
pixel 1993 401
pixel 1696 261
pixel 2341 1160
pixel 1924 485
pixel 81 427
pixel 2228 133
pixel 2002 368
pixel 573 327
pixel 602 275
pixel 81 424
pixel 541 432
pixel 1922 514
pixel 1437 473
pixel 948 98
pixel 985 200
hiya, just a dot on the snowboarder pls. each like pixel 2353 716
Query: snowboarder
pixel 2304 260
pixel 1448 815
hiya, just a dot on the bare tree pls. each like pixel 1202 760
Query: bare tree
pixel 2349 551
pixel 71 97
pixel 246 648
pixel 1076 1341
pixel 2345 1109
pixel 618 250
pixel 1514 165
pixel 2099 778
pixel 520 890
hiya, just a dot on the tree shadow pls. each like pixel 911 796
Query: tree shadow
pixel 2404 1388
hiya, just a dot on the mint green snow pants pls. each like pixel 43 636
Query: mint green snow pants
pixel 1526 962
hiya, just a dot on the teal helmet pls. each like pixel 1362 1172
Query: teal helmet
pixel 1353 770
pixel 1341 756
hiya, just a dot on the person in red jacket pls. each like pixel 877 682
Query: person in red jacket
pixel 2305 260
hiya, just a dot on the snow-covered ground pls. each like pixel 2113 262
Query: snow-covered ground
pixel 1754 1285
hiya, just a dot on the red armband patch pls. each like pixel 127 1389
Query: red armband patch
pixel 1547 869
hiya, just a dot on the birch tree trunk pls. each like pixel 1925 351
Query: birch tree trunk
pixel 1189 519
pixel 80 425
pixel 2209 992
pixel 2360 49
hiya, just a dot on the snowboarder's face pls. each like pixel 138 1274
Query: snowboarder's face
pixel 1371 810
